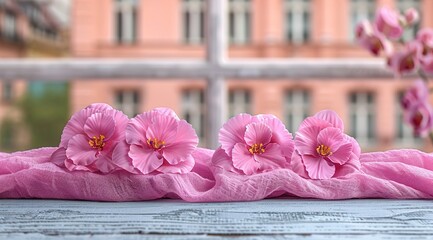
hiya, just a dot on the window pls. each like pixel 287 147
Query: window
pixel 297 20
pixel 403 5
pixel 126 20
pixel 360 10
pixel 239 21
pixel 362 117
pixel 193 111
pixel 9 25
pixel 297 106
pixel 128 101
pixel 7 92
pixel 404 133
pixel 193 21
pixel 239 102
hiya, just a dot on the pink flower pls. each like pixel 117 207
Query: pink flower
pixel 425 38
pixel 405 61
pixel 323 150
pixel 253 144
pixel 415 95
pixel 417 110
pixel 157 141
pixel 420 118
pixel 411 16
pixel 388 22
pixel 89 138
pixel 372 40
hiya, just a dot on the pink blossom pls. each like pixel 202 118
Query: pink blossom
pixel 425 38
pixel 420 118
pixel 417 110
pixel 323 150
pixel 253 144
pixel 388 22
pixel 415 95
pixel 372 40
pixel 157 141
pixel 411 16
pixel 89 138
pixel 405 61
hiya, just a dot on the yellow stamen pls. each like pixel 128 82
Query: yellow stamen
pixel 97 142
pixel 155 143
pixel 257 148
pixel 323 150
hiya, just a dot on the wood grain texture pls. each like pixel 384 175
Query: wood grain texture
pixel 166 219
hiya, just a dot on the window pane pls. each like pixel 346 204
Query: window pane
pixel 298 14
pixel 128 101
pixel 363 117
pixel 360 10
pixel 193 110
pixel 296 108
pixel 239 102
pixel 403 5
pixel 239 21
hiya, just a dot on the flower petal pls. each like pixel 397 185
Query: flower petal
pixel 100 124
pixel 135 132
pixel 331 117
pixel 233 131
pixel 222 160
pixel 167 112
pixel 257 133
pixel 318 168
pixel 121 158
pixel 272 158
pixel 183 144
pixel 79 151
pixel 144 159
pixel 163 128
pixel 342 155
pixel 297 165
pixel 331 137
pixel 306 140
pixel 182 167
pixel 316 122
pixel 104 164
pixel 244 160
pixel 58 157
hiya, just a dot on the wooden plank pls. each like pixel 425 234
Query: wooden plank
pixel 293 69
pixel 310 219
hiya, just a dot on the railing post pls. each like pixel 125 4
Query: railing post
pixel 216 53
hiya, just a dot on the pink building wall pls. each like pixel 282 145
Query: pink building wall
pixel 160 36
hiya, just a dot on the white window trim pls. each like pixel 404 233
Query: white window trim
pixel 129 32
pixel 128 104
pixel 240 8
pixel 296 107
pixel 10 24
pixel 362 109
pixel 297 26
pixel 241 103
pixel 410 33
pixel 195 8
pixel 193 104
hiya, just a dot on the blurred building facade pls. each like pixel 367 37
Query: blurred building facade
pixel 27 30
pixel 256 29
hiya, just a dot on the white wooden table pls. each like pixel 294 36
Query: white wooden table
pixel 168 219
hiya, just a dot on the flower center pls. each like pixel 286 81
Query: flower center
pixel 323 150
pixel 417 119
pixel 155 143
pixel 257 148
pixel 97 142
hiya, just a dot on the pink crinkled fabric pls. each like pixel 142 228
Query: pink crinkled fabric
pixel 400 174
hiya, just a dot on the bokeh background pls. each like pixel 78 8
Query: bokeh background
pixel 32 114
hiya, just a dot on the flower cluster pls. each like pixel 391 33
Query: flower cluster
pixel 102 139
pixel 255 144
pixel 385 35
